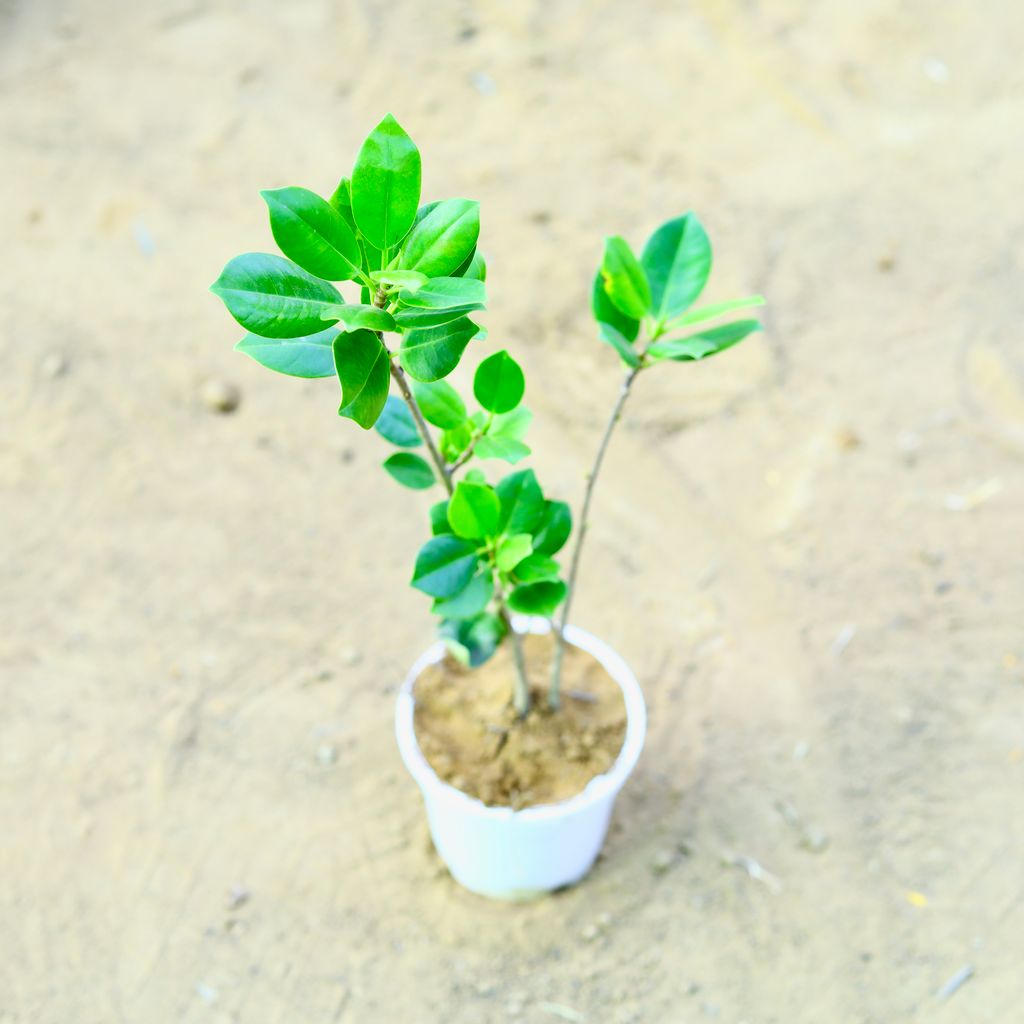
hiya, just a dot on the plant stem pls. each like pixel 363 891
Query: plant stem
pixel 554 693
pixel 443 470
pixel 521 693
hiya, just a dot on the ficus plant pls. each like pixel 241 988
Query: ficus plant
pixel 418 281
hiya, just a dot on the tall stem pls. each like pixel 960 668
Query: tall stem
pixel 554 693
pixel 442 467
pixel 521 693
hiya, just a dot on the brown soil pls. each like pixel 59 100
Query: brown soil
pixel 471 736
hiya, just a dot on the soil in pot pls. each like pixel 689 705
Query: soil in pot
pixel 470 734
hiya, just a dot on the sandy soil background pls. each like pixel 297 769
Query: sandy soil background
pixel 809 549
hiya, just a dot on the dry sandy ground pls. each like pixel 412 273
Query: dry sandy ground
pixel 810 549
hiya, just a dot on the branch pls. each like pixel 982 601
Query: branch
pixel 554 695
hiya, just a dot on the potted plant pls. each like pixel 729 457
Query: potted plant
pixel 519 728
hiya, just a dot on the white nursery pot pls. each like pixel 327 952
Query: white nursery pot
pixel 518 855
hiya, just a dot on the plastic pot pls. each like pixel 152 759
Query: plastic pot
pixel 511 854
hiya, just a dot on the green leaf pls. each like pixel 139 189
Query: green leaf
pixel 440 404
pixel 341 203
pixel 455 441
pixel 477 268
pixel 474 511
pixel 503 448
pixel 621 345
pixel 541 598
pixel 522 502
pixel 408 280
pixel 410 318
pixel 512 550
pixel 444 565
pixel 312 233
pixel 397 425
pixel 511 425
pixel 410 471
pixel 704 343
pixel 443 239
pixel 272 297
pixel 536 567
pixel 441 295
pixel 362 364
pixel 439 518
pixel 498 383
pixel 555 528
pixel 624 279
pixel 475 476
pixel 696 316
pixel 677 262
pixel 473 641
pixel 430 353
pixel 468 602
pixel 312 356
pixel 606 312
pixel 386 184
pixel 355 316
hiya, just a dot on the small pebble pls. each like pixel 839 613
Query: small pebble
pixel 590 932
pixel 237 896
pixel 663 860
pixel 220 396
pixel 55 365
pixel 326 754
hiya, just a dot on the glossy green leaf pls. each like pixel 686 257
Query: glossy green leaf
pixel 555 528
pixel 455 441
pixel 355 316
pixel 540 598
pixel 606 312
pixel 536 567
pixel 624 279
pixel 363 369
pixel 475 476
pixel 522 502
pixel 498 383
pixel 440 404
pixel 341 203
pixel 704 343
pixel 411 317
pixel 473 641
pixel 677 262
pixel 477 268
pixel 627 353
pixel 444 565
pixel 397 425
pixel 386 184
pixel 443 293
pixel 474 511
pixel 443 239
pixel 433 352
pixel 439 518
pixel 407 280
pixel 410 471
pixel 468 602
pixel 504 448
pixel 512 550
pixel 511 425
pixel 312 233
pixel 272 297
pixel 696 316
pixel 312 356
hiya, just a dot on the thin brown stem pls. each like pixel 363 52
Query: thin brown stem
pixel 443 469
pixel 554 693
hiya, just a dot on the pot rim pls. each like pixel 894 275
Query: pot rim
pixel 601 787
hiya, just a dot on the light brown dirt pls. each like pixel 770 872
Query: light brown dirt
pixel 472 737
pixel 809 550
